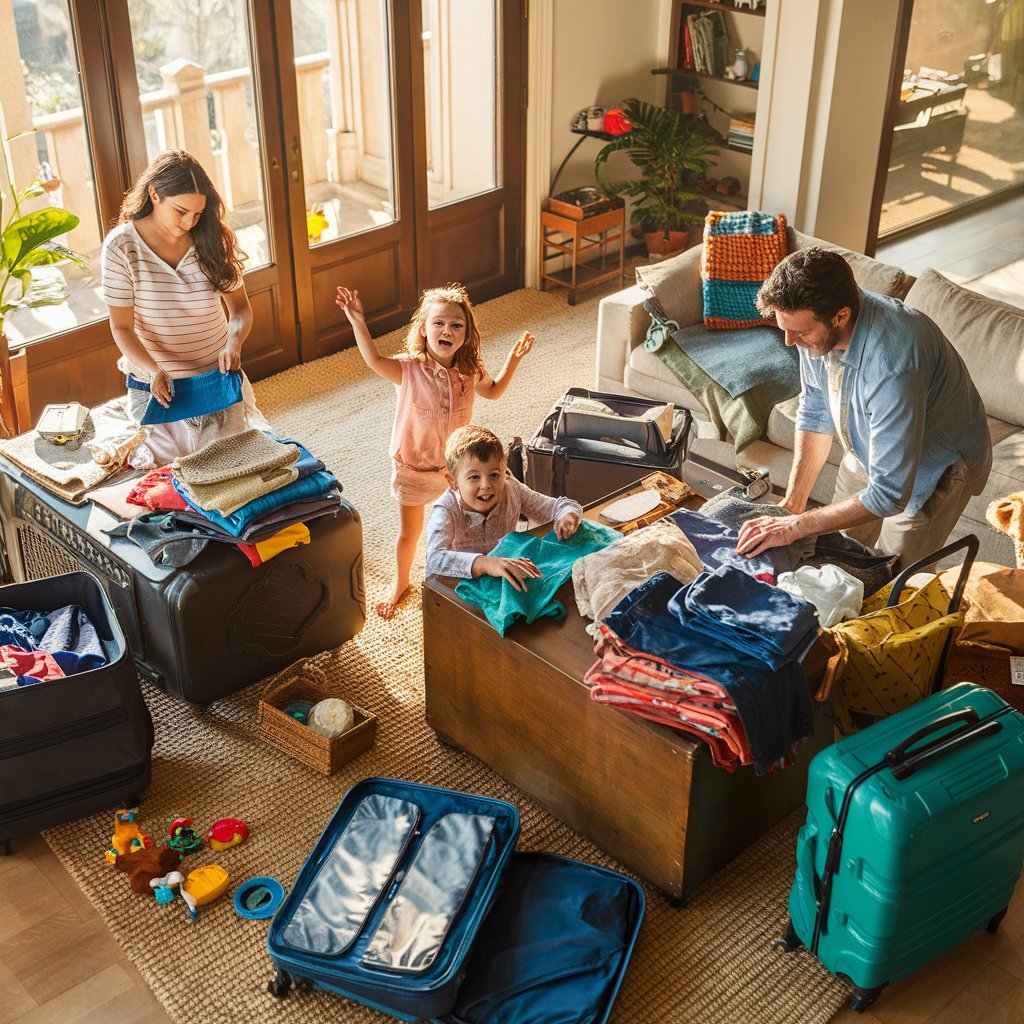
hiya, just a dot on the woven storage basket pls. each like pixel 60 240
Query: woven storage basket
pixel 303 681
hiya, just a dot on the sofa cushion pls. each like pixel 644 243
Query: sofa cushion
pixel 988 335
pixel 647 375
pixel 781 430
pixel 870 274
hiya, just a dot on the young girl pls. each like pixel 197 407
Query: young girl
pixel 436 382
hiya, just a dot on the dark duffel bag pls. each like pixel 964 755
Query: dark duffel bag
pixel 593 443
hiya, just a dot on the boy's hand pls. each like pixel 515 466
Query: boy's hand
pixel 350 304
pixel 516 570
pixel 566 526
pixel 523 345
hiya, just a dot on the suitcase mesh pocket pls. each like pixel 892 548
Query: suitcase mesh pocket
pixel 414 926
pixel 41 557
pixel 353 876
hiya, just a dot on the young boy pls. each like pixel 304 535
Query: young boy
pixel 482 504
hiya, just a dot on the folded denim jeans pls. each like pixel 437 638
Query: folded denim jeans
pixel 747 615
pixel 774 706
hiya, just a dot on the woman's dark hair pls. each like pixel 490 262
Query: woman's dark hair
pixel 177 173
pixel 817 279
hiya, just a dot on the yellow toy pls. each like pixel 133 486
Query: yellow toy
pixel 316 222
pixel 127 836
pixel 205 884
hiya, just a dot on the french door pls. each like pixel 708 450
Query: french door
pixel 403 144
pixel 372 143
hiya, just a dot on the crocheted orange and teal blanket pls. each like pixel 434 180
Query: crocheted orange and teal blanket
pixel 740 250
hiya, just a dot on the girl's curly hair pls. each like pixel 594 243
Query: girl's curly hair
pixel 467 360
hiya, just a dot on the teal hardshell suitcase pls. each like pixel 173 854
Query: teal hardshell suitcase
pixel 913 840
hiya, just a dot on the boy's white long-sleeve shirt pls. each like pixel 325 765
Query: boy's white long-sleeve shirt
pixel 456 537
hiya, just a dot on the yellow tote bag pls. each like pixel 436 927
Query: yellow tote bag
pixel 890 656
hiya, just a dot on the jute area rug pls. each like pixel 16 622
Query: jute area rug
pixel 709 961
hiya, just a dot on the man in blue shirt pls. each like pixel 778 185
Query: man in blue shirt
pixel 885 379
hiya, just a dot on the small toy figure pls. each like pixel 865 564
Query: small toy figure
pixel 226 833
pixel 184 838
pixel 127 836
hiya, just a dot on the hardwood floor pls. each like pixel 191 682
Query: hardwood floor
pixel 59 965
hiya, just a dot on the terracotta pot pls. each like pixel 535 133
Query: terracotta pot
pixel 659 245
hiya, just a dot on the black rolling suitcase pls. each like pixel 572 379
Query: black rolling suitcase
pixel 214 626
pixel 586 452
pixel 77 745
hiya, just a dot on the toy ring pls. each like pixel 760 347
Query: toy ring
pixel 258 898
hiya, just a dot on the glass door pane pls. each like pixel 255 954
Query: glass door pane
pixel 342 79
pixel 40 94
pixel 461 86
pixel 959 134
pixel 193 63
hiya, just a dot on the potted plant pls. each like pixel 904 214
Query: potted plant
pixel 672 150
pixel 26 242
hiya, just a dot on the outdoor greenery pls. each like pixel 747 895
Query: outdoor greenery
pixel 27 242
pixel 672 151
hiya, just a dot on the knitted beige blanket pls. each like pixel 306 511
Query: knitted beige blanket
pixel 227 496
pixel 233 456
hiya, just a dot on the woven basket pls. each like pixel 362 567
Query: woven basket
pixel 303 681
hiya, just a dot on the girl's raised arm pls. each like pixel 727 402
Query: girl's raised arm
pixel 351 305
pixel 494 387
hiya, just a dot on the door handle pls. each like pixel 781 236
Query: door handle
pixel 296 155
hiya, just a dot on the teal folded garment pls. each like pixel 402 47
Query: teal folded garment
pixel 503 605
pixel 196 396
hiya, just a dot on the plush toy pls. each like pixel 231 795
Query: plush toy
pixel 142 866
pixel 127 836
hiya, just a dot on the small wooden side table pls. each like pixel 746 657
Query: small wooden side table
pixel 595 247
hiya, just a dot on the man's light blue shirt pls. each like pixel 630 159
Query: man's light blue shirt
pixel 912 407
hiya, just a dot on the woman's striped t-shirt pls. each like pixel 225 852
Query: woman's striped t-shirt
pixel 179 316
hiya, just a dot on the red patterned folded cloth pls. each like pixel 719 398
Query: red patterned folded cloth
pixel 155 491
pixel 740 250
pixel 659 691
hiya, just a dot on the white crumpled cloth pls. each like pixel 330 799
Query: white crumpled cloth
pixel 833 591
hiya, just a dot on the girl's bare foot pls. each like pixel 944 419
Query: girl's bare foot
pixel 386 609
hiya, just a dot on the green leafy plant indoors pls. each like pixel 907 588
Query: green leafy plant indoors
pixel 671 150
pixel 27 242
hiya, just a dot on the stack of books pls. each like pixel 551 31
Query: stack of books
pixel 709 45
pixel 741 132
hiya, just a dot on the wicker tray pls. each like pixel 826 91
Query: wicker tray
pixel 303 681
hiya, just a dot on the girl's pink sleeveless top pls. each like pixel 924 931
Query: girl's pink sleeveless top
pixel 432 402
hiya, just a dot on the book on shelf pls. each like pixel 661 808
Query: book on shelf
pixel 709 41
pixel 741 132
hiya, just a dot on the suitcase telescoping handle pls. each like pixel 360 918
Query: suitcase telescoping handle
pixel 969 544
pixel 904 764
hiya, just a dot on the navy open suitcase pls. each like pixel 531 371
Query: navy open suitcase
pixel 914 838
pixel 414 902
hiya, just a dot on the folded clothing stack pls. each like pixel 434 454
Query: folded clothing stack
pixel 748 616
pixel 254 490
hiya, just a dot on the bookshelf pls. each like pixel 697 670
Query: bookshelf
pixel 710 90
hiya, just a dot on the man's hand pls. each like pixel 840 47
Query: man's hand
pixel 161 388
pixel 230 357
pixel 516 570
pixel 566 526
pixel 764 532
pixel 348 301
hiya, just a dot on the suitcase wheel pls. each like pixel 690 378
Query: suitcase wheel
pixel 789 942
pixel 281 984
pixel 863 998
pixel 993 925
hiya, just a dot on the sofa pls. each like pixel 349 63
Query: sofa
pixel 989 336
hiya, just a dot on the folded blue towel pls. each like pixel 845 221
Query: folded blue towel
pixel 195 396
